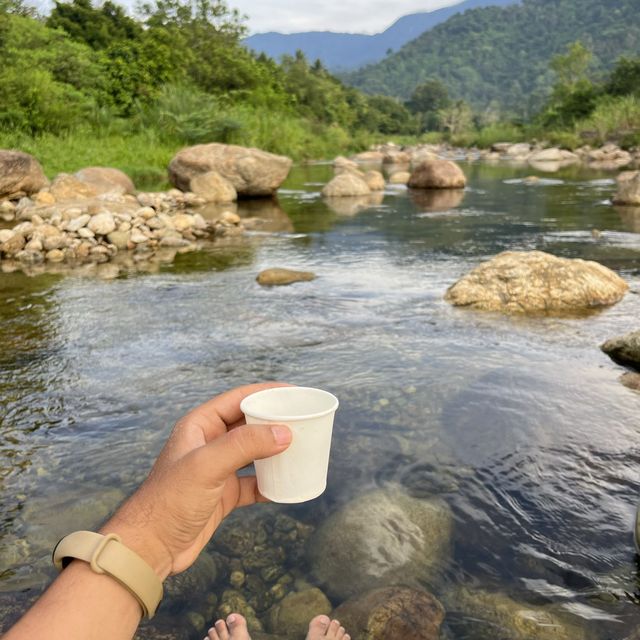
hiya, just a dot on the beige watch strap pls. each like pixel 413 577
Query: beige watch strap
pixel 106 554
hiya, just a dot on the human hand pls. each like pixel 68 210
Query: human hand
pixel 193 484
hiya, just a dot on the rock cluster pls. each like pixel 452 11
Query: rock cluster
pixel 535 281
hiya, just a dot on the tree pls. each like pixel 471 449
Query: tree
pixel 426 100
pixel 625 78
pixel 456 118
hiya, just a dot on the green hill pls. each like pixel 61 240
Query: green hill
pixel 499 56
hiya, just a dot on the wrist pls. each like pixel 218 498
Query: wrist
pixel 152 551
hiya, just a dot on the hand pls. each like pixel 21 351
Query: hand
pixel 193 484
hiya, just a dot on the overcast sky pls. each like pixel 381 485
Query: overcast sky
pixel 355 16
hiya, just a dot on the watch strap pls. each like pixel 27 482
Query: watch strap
pixel 106 554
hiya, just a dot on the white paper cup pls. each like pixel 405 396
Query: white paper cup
pixel 300 472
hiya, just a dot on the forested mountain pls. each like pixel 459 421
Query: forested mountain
pixel 343 51
pixel 499 56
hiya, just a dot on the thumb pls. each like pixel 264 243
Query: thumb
pixel 241 446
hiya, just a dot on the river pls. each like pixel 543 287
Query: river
pixel 520 424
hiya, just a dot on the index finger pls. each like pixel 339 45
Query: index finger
pixel 222 413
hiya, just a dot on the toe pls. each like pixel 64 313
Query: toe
pixel 318 628
pixel 340 633
pixel 332 632
pixel 212 634
pixel 221 628
pixel 237 625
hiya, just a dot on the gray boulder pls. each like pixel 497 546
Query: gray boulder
pixel 20 175
pixel 535 281
pixel 252 172
pixel 624 350
pixel 381 538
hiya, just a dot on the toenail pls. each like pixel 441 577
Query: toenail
pixel 231 619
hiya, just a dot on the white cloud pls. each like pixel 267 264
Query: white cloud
pixel 355 16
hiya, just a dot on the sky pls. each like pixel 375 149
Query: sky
pixel 355 16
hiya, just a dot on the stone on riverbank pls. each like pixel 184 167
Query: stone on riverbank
pixel 346 185
pixel 212 187
pixel 252 172
pixel 628 188
pixel 385 537
pixel 277 276
pixel 535 281
pixel 624 350
pixel 392 612
pixel 66 187
pixel 20 175
pixel 106 180
pixel 437 174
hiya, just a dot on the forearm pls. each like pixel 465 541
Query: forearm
pixel 80 605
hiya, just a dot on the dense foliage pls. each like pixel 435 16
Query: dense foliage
pixel 179 70
pixel 501 55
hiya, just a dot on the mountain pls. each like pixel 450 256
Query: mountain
pixel 499 56
pixel 343 51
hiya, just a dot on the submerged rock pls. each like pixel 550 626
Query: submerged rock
pixel 625 349
pixel 535 281
pixel 296 609
pixel 379 538
pixel 437 174
pixel 278 276
pixel 392 612
pixel 514 620
pixel 20 175
pixel 251 171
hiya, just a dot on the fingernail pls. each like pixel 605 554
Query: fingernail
pixel 281 433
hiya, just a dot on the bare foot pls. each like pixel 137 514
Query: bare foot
pixel 321 628
pixel 234 628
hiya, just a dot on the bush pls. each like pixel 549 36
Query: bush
pixel 614 119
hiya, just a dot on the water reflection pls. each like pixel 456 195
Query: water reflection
pixel 352 205
pixel 436 200
pixel 630 217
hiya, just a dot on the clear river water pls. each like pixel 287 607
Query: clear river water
pixel 519 423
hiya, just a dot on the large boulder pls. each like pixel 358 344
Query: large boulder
pixel 375 180
pixel 346 185
pixel 20 175
pixel 535 281
pixel 381 538
pixel 106 180
pixel 437 174
pixel 392 612
pixel 252 172
pixel 624 350
pixel 66 187
pixel 628 188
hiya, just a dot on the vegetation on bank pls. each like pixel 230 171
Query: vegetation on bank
pixel 92 82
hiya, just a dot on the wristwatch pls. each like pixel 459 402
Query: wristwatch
pixel 107 555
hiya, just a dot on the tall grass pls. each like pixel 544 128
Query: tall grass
pixel 614 119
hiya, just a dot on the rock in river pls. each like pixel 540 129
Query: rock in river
pixel 252 172
pixel 381 538
pixel 535 281
pixel 20 174
pixel 625 349
pixel 437 174
pixel 296 609
pixel 628 188
pixel 392 612
pixel 346 185
pixel 278 276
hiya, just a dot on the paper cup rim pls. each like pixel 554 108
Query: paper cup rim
pixel 283 418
